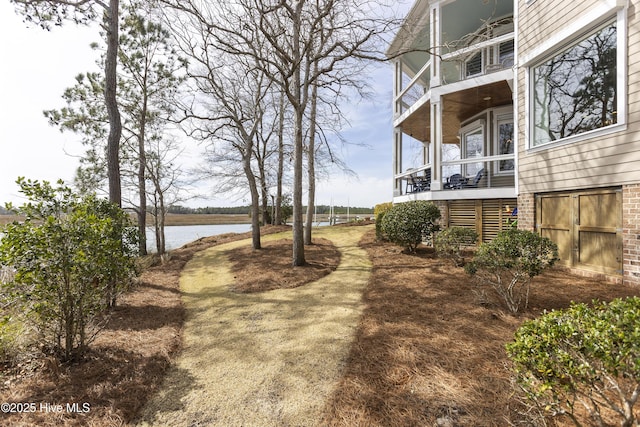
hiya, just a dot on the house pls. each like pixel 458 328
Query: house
pixel 530 104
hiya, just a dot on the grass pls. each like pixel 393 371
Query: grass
pixel 412 342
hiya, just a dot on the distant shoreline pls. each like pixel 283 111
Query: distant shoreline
pixel 200 219
pixel 173 219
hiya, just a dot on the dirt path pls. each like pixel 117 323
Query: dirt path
pixel 267 359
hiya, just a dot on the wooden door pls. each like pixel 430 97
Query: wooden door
pixel 553 220
pixel 586 226
pixel 598 231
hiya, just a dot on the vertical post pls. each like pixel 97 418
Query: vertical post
pixel 435 146
pixel 397 161
pixel 436 42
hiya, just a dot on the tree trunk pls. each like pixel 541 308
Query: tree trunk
pixel 298 106
pixel 311 162
pixel 142 189
pixel 162 214
pixel 255 198
pixel 115 125
pixel 278 202
pixel 266 215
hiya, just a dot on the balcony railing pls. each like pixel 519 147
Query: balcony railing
pixel 414 89
pixel 485 57
pixel 465 174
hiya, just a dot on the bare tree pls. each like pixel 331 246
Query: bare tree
pixel 286 39
pixel 47 12
pixel 168 186
pixel 228 109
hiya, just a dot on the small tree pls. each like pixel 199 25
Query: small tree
pixel 510 261
pixel 71 256
pixel 582 358
pixel 450 241
pixel 408 224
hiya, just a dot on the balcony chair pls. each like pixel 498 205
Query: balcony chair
pixel 455 182
pixel 416 184
pixel 476 180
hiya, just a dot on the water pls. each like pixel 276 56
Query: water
pixel 178 235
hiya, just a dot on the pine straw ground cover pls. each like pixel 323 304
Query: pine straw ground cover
pixel 429 350
pixel 125 364
pixel 428 346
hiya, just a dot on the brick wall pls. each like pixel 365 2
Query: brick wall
pixel 526 212
pixel 444 212
pixel 631 233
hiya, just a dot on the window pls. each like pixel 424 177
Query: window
pixel 505 54
pixel 575 91
pixel 473 65
pixel 472 137
pixel 504 143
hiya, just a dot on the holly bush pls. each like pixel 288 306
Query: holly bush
pixel 510 261
pixel 450 241
pixel 379 211
pixel 584 357
pixel 408 224
pixel 71 256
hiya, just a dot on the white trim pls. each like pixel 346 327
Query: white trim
pixel 599 15
pixel 586 29
pixel 515 89
pixel 472 128
pixel 471 194
pixel 596 133
pixel 502 115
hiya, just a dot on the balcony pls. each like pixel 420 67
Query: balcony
pixel 470 62
pixel 473 178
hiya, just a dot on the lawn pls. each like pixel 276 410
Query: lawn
pixel 427 346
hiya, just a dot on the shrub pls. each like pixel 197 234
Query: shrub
pixel 585 358
pixel 450 241
pixel 379 211
pixel 71 256
pixel 11 332
pixel 510 261
pixel 408 224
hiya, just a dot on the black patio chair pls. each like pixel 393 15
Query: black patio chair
pixel 476 180
pixel 455 182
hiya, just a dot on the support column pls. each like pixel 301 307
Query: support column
pixel 435 147
pixel 397 161
pixel 434 25
pixel 397 88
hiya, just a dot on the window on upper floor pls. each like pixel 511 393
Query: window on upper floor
pixel 473 65
pixel 575 90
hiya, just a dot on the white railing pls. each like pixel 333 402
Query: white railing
pixel 490 179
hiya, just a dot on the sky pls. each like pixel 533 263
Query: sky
pixel 36 66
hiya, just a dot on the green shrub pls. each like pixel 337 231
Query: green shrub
pixel 11 332
pixel 382 208
pixel 408 224
pixel 582 358
pixel 71 257
pixel 379 211
pixel 450 241
pixel 510 261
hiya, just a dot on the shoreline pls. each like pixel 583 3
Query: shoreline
pixel 203 219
